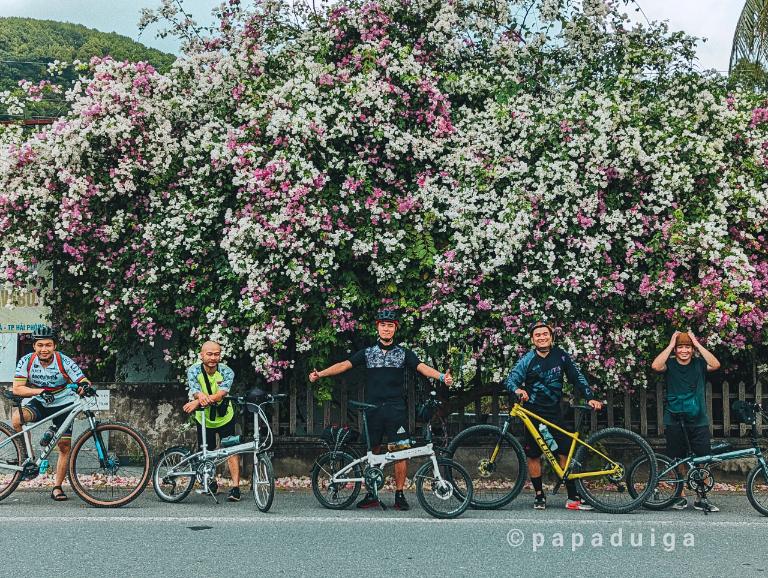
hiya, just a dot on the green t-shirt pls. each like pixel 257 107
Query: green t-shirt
pixel 682 379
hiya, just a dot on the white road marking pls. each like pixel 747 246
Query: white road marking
pixel 273 519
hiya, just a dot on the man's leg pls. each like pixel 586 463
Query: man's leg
pixel 401 472
pixel 234 470
pixel 64 445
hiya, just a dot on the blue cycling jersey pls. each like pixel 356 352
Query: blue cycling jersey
pixel 51 377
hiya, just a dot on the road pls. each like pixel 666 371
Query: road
pixel 298 537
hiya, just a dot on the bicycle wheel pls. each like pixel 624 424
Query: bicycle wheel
pixel 10 454
pixel 335 495
pixel 615 449
pixel 447 496
pixel 263 481
pixel 110 465
pixel 173 476
pixel 757 489
pixel 497 476
pixel 669 482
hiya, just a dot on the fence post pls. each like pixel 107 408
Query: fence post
pixel 310 411
pixel 660 408
pixel 292 402
pixel 627 412
pixel 276 413
pixel 610 409
pixel 742 397
pixel 708 397
pixel 726 409
pixel 643 413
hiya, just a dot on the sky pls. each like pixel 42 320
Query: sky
pixel 712 19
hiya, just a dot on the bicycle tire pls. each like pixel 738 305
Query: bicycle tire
pixel 671 481
pixel 263 481
pixel 757 475
pixel 472 449
pixel 181 486
pixel 454 488
pixel 10 454
pixel 608 493
pixel 327 465
pixel 100 486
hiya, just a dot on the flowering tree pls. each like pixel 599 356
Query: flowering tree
pixel 476 164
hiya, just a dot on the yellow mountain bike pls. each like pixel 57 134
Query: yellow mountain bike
pixel 496 462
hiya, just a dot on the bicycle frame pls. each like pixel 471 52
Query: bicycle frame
pixel 525 416
pixel 85 405
pixel 381 460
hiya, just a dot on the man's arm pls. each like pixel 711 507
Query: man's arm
pixel 21 388
pixel 427 371
pixel 516 378
pixel 712 363
pixel 660 363
pixel 334 369
pixel 576 377
pixel 196 396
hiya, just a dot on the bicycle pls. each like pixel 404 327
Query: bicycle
pixel 177 468
pixel 699 478
pixel 498 463
pixel 109 463
pixel 443 487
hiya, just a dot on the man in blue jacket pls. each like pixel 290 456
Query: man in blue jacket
pixel 537 379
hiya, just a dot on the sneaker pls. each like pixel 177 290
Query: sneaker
pixel 368 502
pixel 680 504
pixel 234 495
pixel 703 504
pixel 577 505
pixel 400 501
pixel 540 502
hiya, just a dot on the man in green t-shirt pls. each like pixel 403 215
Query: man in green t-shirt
pixel 208 383
pixel 685 375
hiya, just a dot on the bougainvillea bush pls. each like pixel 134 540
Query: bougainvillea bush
pixel 477 164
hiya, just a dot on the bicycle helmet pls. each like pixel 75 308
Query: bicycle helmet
pixel 540 323
pixel 390 315
pixel 43 332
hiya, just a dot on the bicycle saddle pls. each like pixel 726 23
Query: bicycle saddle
pixel 361 406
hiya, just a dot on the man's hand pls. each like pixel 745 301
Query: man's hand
pixel 595 404
pixel 522 394
pixel 448 378
pixel 204 400
pixel 47 396
pixel 314 376
pixel 695 341
pixel 191 406
pixel 674 339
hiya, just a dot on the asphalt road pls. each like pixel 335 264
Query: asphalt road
pixel 298 537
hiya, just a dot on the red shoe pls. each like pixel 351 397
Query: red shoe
pixel 368 502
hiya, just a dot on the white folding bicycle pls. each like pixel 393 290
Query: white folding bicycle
pixel 443 487
pixel 177 468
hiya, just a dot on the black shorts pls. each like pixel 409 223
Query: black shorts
pixel 228 429
pixel 698 436
pixel 40 411
pixel 390 419
pixel 532 449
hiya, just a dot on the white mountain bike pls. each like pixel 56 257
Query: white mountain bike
pixel 443 487
pixel 177 468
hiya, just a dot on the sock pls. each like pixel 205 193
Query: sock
pixel 570 485
pixel 537 485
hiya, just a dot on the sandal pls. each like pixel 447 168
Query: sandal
pixel 60 497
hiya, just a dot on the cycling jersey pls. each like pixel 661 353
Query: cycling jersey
pixel 542 377
pixel 61 371
pixel 221 380
pixel 385 371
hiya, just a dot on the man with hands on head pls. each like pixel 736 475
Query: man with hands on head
pixel 386 364
pixel 685 376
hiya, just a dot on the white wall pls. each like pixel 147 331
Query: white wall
pixel 8 343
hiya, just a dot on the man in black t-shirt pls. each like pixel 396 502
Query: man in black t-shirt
pixel 386 364
pixel 685 376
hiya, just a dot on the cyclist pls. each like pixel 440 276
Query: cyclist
pixel 685 376
pixel 42 376
pixel 386 364
pixel 208 383
pixel 537 379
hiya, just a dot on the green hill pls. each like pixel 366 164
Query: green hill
pixel 27 45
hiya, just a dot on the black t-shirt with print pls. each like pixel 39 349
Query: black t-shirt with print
pixel 385 371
